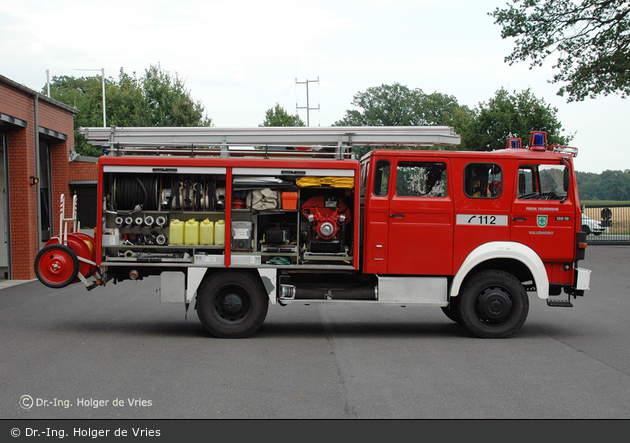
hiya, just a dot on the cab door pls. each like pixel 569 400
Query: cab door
pixel 376 214
pixel 483 208
pixel 543 213
pixel 420 217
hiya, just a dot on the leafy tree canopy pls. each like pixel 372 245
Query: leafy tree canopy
pixel 609 185
pixel 278 116
pixel 486 127
pixel 155 99
pixel 590 38
pixel 513 115
pixel 385 105
pixel 398 105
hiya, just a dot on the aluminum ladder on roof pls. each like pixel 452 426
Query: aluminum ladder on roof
pixel 324 139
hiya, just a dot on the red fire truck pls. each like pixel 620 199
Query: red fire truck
pixel 234 220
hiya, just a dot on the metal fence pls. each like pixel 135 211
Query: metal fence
pixel 607 224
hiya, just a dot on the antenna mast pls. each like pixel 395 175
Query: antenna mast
pixel 306 82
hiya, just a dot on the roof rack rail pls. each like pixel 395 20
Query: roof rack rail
pixel 564 150
pixel 328 142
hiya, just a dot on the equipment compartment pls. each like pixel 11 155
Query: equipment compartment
pixel 265 216
pixel 295 219
pixel 157 218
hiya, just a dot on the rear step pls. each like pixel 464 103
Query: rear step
pixel 559 303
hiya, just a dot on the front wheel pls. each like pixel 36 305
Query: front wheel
pixel 232 304
pixel 453 311
pixel 494 304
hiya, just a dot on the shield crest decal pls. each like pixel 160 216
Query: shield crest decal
pixel 542 221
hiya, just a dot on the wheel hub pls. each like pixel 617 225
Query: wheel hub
pixel 56 266
pixel 494 305
pixel 232 303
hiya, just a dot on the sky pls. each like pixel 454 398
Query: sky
pixel 240 58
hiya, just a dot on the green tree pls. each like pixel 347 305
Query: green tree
pixel 156 99
pixel 513 115
pixel 385 105
pixel 609 185
pixel 125 101
pixel 167 101
pixel 85 94
pixel 398 105
pixel 278 116
pixel 444 110
pixel 588 185
pixel 615 186
pixel 589 39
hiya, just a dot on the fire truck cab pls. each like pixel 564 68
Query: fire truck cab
pixel 234 220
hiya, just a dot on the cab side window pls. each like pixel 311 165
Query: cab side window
pixel 483 180
pixel 421 179
pixel 525 181
pixel 543 182
pixel 381 178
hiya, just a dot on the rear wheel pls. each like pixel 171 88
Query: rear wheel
pixel 494 304
pixel 232 304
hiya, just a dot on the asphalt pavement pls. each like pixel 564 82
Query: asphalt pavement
pixel 118 353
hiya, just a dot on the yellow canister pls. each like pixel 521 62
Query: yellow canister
pixel 219 232
pixel 191 232
pixel 206 232
pixel 176 232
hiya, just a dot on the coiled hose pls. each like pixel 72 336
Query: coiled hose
pixel 135 194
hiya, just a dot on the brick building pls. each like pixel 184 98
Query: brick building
pixel 37 165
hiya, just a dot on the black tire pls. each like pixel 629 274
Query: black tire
pixel 56 266
pixel 586 229
pixel 494 304
pixel 232 304
pixel 452 311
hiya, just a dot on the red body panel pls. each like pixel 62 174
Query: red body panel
pixel 434 235
pixel 403 233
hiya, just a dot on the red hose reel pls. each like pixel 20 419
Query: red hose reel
pixel 57 265
pixel 68 258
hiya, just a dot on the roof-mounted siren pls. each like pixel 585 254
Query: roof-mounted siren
pixel 538 141
pixel 513 143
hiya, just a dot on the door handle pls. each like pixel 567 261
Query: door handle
pixel 519 219
pixel 396 215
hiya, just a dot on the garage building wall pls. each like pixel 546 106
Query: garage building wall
pixel 27 118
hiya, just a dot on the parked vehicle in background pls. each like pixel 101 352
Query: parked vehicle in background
pixel 591 226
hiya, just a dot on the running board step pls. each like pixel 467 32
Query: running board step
pixel 559 303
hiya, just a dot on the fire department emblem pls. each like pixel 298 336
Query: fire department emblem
pixel 542 221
